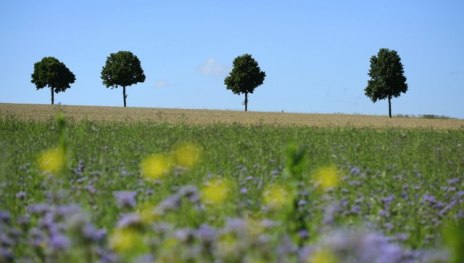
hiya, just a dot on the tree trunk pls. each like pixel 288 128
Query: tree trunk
pixel 53 96
pixel 389 107
pixel 246 101
pixel 124 94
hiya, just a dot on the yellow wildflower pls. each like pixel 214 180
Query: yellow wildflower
pixel 322 256
pixel 52 160
pixel 326 177
pixel 147 213
pixel 125 239
pixel 227 244
pixel 215 191
pixel 156 166
pixel 187 155
pixel 276 197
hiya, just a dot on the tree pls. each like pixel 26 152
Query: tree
pixel 122 69
pixel 387 77
pixel 245 76
pixel 52 73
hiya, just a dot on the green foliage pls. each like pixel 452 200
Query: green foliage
pixel 122 69
pixel 52 73
pixel 453 233
pixel 374 164
pixel 387 76
pixel 245 76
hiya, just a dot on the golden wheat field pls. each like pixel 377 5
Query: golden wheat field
pixel 204 117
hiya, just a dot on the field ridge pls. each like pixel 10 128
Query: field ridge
pixel 36 112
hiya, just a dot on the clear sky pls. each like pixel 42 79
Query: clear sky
pixel 315 53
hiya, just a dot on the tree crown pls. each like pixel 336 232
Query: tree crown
pixel 245 75
pixel 122 69
pixel 387 76
pixel 53 73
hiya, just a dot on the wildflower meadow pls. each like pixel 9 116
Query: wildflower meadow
pixel 162 191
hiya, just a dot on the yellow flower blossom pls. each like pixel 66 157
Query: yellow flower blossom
pixel 322 256
pixel 147 213
pixel 276 197
pixel 52 160
pixel 187 155
pixel 227 244
pixel 125 239
pixel 326 177
pixel 215 191
pixel 156 166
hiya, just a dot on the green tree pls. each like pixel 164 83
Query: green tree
pixel 122 69
pixel 387 77
pixel 245 76
pixel 52 73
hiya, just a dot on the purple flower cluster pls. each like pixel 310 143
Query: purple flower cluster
pixel 51 232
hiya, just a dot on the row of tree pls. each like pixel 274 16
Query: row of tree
pixel 123 69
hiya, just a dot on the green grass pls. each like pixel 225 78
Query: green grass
pixel 374 164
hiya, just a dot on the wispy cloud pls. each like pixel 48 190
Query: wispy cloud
pixel 162 84
pixel 212 67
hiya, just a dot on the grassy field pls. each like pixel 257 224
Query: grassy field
pixel 207 117
pixel 149 185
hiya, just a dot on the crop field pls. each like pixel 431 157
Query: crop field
pixel 101 184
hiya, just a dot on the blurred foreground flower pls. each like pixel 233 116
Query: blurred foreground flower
pixel 326 177
pixel 156 166
pixel 187 155
pixel 215 191
pixel 125 239
pixel 53 160
pixel 323 256
pixel 125 199
pixel 276 197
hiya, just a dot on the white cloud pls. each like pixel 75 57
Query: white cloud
pixel 212 67
pixel 162 84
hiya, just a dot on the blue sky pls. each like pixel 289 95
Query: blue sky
pixel 315 53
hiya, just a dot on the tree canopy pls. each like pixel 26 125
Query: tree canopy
pixel 245 76
pixel 52 73
pixel 387 77
pixel 122 69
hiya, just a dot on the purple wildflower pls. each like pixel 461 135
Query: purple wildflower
pixel 190 192
pixel 125 199
pixel 453 181
pixel 401 237
pixel 67 210
pixel 356 209
pixel 303 234
pixel 21 195
pixel 388 226
pixel 5 240
pixel 355 170
pixel 59 242
pixel 129 220
pixel 460 194
pixel 387 200
pixel 206 233
pixel 184 235
pixel 170 203
pixel 89 232
pixel 5 217
pixel 430 199
pixel 5 254
pixel 90 188
pixel 38 209
pixel 460 215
